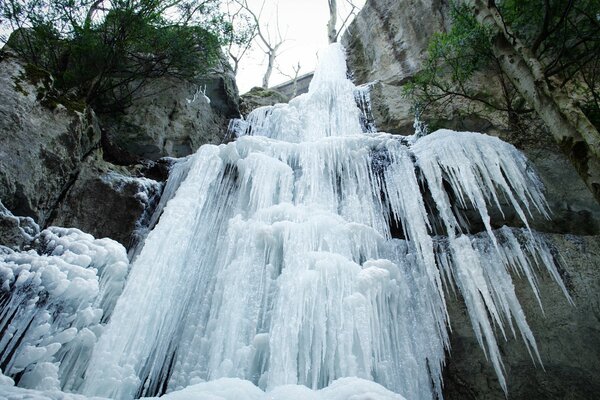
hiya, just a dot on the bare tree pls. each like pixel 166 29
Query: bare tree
pixel 242 34
pixel 333 32
pixel 293 78
pixel 269 41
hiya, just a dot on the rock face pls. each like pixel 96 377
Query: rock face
pixel 260 97
pixel 108 201
pixel 60 164
pixel 173 118
pixel 386 44
pixel 42 144
pixel 568 337
pixel 16 233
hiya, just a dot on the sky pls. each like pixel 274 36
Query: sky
pixel 304 25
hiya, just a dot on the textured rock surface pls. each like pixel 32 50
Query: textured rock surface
pixel 260 97
pixel 49 171
pixel 173 118
pixel 568 337
pixel 387 43
pixel 107 201
pixel 42 144
pixel 387 40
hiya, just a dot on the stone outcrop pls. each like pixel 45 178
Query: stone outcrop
pixel 260 97
pixel 108 201
pixel 386 45
pixel 173 118
pixel 61 164
pixel 43 140
pixel 16 233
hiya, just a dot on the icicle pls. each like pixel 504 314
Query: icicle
pixel 177 173
pixel 362 95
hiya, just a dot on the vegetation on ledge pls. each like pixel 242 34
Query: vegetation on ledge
pixel 102 52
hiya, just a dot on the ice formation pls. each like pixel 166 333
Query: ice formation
pixel 310 259
pixel 53 305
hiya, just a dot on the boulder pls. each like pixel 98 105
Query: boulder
pixel 109 201
pixel 16 233
pixel 171 117
pixel 260 97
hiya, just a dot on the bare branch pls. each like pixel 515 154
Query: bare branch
pixel 269 46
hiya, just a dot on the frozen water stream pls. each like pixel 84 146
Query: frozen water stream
pixel 276 262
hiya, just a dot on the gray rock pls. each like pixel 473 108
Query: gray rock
pixel 260 97
pixel 568 337
pixel 43 140
pixel 108 201
pixel 387 41
pixel 171 117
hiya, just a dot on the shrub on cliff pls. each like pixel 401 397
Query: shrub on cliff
pixel 105 51
pixel 564 36
pixel 545 56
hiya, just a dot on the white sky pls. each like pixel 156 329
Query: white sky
pixel 304 24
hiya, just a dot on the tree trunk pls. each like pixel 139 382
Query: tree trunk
pixel 575 134
pixel 272 54
pixel 331 32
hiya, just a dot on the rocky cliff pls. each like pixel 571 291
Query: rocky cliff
pixel 42 145
pixel 386 45
pixel 173 118
pixel 62 164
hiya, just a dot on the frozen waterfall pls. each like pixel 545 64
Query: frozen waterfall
pixel 309 254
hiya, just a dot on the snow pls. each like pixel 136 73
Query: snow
pixel 231 389
pixel 273 271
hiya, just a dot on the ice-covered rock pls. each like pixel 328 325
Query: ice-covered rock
pixel 55 300
pixel 107 201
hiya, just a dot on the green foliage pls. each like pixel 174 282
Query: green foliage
pixel 463 50
pixel 453 58
pixel 564 35
pixel 106 51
